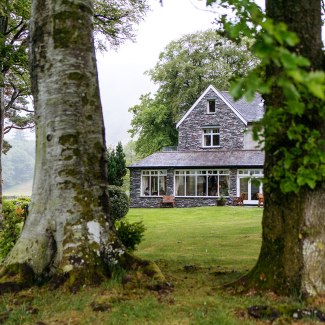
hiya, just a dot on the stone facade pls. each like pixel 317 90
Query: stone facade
pixel 138 201
pixel 236 149
pixel 190 132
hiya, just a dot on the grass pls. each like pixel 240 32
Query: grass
pixel 198 250
pixel 209 236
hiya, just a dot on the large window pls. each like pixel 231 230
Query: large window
pixel 211 137
pixel 202 182
pixel 153 182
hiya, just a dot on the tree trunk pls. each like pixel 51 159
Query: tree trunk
pixel 68 230
pixel 292 257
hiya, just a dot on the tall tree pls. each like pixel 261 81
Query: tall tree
pixel 68 232
pixel 292 257
pixel 185 68
pixel 116 165
pixel 114 23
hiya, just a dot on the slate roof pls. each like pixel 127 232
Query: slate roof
pixel 199 159
pixel 251 111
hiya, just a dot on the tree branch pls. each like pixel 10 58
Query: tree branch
pixel 14 28
pixel 8 128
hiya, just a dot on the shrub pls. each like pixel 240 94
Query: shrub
pixel 130 234
pixel 15 212
pixel 118 202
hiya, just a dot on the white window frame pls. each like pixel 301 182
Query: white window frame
pixel 151 173
pixel 202 172
pixel 211 134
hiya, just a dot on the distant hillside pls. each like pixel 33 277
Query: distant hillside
pixel 24 189
pixel 18 164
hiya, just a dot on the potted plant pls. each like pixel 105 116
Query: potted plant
pixel 221 201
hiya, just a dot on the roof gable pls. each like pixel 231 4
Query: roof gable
pixel 245 111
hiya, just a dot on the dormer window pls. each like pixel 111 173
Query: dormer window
pixel 211 137
pixel 211 106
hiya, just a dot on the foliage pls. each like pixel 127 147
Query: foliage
pixel 299 107
pixel 113 22
pixel 185 69
pixel 154 124
pixel 115 19
pixel 116 165
pixel 15 84
pixel 15 212
pixel 221 201
pixel 118 202
pixel 130 234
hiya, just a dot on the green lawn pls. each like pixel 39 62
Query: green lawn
pixel 209 236
pixel 197 249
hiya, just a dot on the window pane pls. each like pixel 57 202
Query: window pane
pixel 213 185
pixel 215 140
pixel 243 186
pixel 212 106
pixel 207 140
pixel 145 185
pixel 223 185
pixel 190 186
pixel 154 185
pixel 201 186
pixel 162 185
pixel 179 185
pixel 255 188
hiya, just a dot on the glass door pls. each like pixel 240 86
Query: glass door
pixel 249 184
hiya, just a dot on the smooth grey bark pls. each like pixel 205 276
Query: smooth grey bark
pixel 68 228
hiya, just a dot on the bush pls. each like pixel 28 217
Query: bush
pixel 130 234
pixel 118 202
pixel 15 212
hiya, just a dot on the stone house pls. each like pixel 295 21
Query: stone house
pixel 216 156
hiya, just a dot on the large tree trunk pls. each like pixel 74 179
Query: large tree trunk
pixel 292 257
pixel 68 230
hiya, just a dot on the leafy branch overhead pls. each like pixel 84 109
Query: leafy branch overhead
pixel 300 88
pixel 114 23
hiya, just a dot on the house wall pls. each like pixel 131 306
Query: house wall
pixel 249 142
pixel 137 201
pixel 231 127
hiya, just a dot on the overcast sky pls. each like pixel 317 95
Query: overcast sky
pixel 121 73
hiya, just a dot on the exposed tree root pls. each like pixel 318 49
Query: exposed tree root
pixel 18 277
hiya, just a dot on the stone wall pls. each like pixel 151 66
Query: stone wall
pixel 231 127
pixel 138 201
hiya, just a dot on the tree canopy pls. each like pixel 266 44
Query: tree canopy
pixel 185 68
